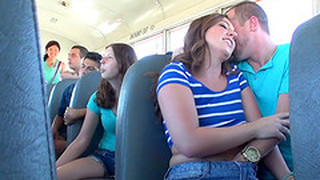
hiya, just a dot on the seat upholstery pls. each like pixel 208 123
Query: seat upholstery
pixel 26 144
pixel 84 88
pixel 49 88
pixel 141 149
pixel 56 96
pixel 305 99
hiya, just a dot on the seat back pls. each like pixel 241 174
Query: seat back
pixel 49 88
pixel 305 99
pixel 141 149
pixel 84 88
pixel 56 96
pixel 26 144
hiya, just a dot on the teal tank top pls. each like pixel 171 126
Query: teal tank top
pixel 49 73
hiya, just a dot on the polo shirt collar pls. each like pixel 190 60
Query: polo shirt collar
pixel 245 66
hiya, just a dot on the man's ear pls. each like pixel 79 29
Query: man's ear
pixel 254 23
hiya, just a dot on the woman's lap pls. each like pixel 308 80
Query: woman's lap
pixel 99 164
pixel 106 159
pixel 228 170
pixel 86 167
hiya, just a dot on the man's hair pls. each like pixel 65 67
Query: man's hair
pixel 246 9
pixel 94 56
pixel 83 50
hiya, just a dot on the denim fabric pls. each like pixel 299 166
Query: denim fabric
pixel 106 158
pixel 227 170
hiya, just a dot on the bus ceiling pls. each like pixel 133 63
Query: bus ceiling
pixel 95 23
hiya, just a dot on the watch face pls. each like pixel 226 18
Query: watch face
pixel 252 154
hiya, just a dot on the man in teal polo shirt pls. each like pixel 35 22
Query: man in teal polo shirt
pixel 266 67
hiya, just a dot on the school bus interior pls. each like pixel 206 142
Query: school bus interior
pixel 26 143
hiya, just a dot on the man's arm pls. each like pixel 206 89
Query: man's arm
pixel 272 156
pixel 56 124
pixel 64 103
pixel 283 103
pixel 72 115
pixel 274 159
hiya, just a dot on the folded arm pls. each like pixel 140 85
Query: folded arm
pixel 179 111
pixel 268 147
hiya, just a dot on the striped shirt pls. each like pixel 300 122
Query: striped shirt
pixel 215 109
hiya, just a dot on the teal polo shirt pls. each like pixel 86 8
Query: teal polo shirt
pixel 267 84
pixel 108 120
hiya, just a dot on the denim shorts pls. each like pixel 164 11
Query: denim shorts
pixel 106 158
pixel 227 170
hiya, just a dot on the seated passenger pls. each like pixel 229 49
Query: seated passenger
pixel 102 105
pixel 266 68
pixel 76 55
pixel 210 114
pixel 90 63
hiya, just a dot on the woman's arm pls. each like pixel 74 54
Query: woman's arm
pixel 274 159
pixel 80 144
pixel 179 111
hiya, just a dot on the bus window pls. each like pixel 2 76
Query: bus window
pixel 285 16
pixel 152 45
pixel 176 37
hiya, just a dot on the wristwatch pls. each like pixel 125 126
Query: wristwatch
pixel 252 154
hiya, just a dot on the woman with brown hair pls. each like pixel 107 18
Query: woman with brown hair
pixel 102 105
pixel 212 122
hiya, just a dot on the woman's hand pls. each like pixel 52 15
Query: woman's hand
pixel 277 125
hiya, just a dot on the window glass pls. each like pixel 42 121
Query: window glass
pixel 285 16
pixel 152 45
pixel 176 37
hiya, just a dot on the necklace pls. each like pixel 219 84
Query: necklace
pixel 51 64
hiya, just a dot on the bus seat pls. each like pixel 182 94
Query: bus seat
pixel 56 96
pixel 49 87
pixel 84 88
pixel 26 144
pixel 141 149
pixel 305 99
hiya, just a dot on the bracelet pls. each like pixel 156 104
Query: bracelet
pixel 290 174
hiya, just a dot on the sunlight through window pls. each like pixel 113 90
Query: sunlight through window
pixel 285 16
